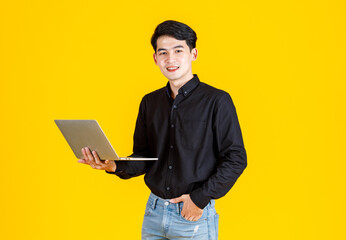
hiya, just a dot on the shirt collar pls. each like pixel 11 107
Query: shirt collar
pixel 187 88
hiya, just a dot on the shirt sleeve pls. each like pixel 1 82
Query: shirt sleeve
pixel 232 158
pixel 129 169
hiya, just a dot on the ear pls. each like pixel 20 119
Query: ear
pixel 194 53
pixel 154 55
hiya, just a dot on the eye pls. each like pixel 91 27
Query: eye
pixel 178 51
pixel 161 53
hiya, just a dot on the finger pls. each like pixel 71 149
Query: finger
pixel 195 217
pixel 187 217
pixel 107 162
pixel 82 161
pixel 90 156
pixel 96 157
pixel 177 200
pixel 85 157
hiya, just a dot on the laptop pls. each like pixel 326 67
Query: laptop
pixel 88 133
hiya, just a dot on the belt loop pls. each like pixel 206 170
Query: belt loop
pixel 153 206
pixel 212 203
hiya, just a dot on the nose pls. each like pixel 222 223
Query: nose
pixel 170 58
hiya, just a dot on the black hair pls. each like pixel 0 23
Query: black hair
pixel 178 30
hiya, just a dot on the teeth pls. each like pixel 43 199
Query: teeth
pixel 172 68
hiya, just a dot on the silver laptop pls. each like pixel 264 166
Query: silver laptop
pixel 88 133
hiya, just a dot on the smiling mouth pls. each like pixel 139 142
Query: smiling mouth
pixel 172 69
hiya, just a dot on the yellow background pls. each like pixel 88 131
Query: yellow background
pixel 283 62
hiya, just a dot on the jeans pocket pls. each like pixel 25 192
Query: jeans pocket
pixel 147 211
pixel 149 207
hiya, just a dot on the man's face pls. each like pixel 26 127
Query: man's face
pixel 174 58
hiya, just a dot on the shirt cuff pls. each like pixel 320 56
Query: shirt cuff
pixel 199 198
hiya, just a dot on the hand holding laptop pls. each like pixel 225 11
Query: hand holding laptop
pixel 88 133
pixel 92 159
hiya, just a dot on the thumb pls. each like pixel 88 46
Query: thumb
pixel 176 200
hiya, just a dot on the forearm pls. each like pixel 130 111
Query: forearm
pixel 217 185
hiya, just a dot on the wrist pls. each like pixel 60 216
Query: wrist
pixel 112 168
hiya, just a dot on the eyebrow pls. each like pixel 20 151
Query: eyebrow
pixel 163 49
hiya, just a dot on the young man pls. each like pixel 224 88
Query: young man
pixel 194 131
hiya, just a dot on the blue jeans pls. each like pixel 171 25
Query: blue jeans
pixel 163 220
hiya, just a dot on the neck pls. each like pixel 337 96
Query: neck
pixel 177 84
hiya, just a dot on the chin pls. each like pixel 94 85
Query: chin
pixel 172 78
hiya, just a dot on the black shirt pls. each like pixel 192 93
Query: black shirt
pixel 196 137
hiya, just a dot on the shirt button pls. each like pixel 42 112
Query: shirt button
pixel 166 203
pixel 171 146
pixel 167 188
pixel 170 167
pixel 172 126
pixel 185 92
pixel 174 106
